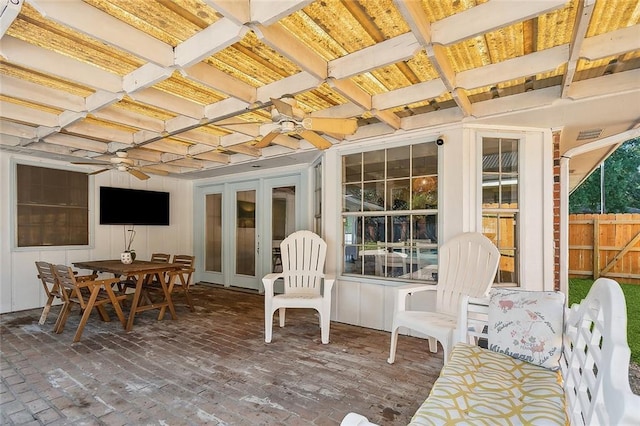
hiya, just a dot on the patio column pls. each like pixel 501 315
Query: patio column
pixel 613 142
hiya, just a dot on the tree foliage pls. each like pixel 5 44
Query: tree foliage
pixel 621 184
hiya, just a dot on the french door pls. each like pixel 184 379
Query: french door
pixel 244 229
pixel 242 226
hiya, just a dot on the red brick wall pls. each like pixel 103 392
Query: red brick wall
pixel 556 210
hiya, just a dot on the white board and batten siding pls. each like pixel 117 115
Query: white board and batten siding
pixel 369 302
pixel 20 288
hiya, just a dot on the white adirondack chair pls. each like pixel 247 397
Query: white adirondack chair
pixel 467 266
pixel 303 255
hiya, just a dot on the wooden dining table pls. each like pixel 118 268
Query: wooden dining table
pixel 143 271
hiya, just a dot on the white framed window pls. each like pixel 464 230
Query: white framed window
pixel 52 207
pixel 500 203
pixel 390 212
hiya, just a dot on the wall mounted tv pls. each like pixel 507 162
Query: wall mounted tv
pixel 121 206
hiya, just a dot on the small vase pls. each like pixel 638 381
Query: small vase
pixel 126 258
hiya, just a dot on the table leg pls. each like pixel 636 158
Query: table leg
pixel 167 296
pixel 116 305
pixel 87 312
pixel 135 302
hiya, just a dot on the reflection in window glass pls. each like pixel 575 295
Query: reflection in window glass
pixel 52 207
pixel 499 173
pixel 500 203
pixel 352 198
pixel 424 159
pixel 398 194
pixel 424 193
pixel 397 160
pixel 352 168
pixel 373 165
pixel 373 196
pixel 390 213
pixel 283 218
pixel 246 233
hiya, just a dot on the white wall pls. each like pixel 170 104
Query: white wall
pixel 19 287
pixel 370 302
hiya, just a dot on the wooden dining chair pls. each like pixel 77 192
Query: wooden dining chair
pixel 179 279
pixel 51 288
pixel 184 275
pixel 88 294
pixel 48 279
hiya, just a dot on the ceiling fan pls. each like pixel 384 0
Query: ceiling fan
pixel 287 118
pixel 122 163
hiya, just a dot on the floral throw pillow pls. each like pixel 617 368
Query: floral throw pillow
pixel 527 325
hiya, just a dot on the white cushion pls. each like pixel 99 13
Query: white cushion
pixel 527 325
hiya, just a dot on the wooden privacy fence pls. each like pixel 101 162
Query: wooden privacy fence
pixel 605 245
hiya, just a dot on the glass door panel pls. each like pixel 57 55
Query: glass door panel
pixel 283 218
pixel 213 232
pixel 246 233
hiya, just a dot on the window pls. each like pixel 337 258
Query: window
pixel 389 212
pixel 53 207
pixel 500 185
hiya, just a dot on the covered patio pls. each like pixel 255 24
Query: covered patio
pixel 182 97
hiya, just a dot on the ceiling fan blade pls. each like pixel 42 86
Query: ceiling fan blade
pixel 315 139
pixel 336 136
pixel 345 126
pixel 287 141
pixel 266 140
pixel 138 174
pixel 282 107
pixel 98 171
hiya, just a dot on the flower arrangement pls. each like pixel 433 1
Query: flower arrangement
pixel 129 240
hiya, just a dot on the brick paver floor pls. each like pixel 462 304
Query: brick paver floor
pixel 208 367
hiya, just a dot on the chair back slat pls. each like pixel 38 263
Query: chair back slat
pixel 160 257
pixel 186 261
pixel 68 285
pixel 303 254
pixel 467 266
pixel 48 278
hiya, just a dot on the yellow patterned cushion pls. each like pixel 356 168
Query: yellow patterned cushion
pixel 482 387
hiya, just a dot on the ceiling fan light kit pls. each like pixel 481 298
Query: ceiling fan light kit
pixel 120 162
pixel 287 118
pixel 288 126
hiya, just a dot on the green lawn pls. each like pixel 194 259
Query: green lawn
pixel 578 289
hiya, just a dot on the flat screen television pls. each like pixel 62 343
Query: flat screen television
pixel 121 206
